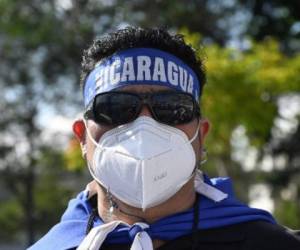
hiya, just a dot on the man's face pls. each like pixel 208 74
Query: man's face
pixel 97 130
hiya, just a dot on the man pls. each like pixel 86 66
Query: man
pixel 142 136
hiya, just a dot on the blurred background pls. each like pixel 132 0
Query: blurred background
pixel 252 98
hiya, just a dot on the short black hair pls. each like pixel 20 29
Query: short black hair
pixel 135 37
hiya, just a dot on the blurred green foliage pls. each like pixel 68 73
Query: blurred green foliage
pixel 73 158
pixel 10 219
pixel 288 213
pixel 243 89
pixel 52 190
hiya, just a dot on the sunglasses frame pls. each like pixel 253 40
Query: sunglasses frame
pixel 145 99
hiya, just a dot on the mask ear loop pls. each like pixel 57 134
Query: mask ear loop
pixel 90 135
pixel 204 151
pixel 97 145
pixel 204 156
pixel 196 133
pixel 190 141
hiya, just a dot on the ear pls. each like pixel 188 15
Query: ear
pixel 203 130
pixel 79 132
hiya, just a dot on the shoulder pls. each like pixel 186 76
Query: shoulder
pixel 271 236
pixel 258 235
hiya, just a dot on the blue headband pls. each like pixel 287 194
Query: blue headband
pixel 140 66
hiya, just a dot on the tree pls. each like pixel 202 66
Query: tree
pixel 220 21
pixel 279 19
pixel 34 55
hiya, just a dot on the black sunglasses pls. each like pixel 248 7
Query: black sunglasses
pixel 116 108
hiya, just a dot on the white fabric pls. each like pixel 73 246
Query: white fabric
pixel 142 241
pixel 207 190
pixel 96 237
pixel 143 163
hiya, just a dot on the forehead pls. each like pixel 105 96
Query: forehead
pixel 144 88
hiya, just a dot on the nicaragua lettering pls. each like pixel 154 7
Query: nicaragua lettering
pixel 144 69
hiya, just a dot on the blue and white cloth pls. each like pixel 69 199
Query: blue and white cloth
pixel 217 208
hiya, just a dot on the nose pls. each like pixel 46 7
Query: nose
pixel 145 111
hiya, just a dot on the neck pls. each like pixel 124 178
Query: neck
pixel 181 201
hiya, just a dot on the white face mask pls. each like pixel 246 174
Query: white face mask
pixel 143 163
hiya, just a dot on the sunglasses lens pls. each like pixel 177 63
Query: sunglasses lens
pixel 173 108
pixel 115 108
